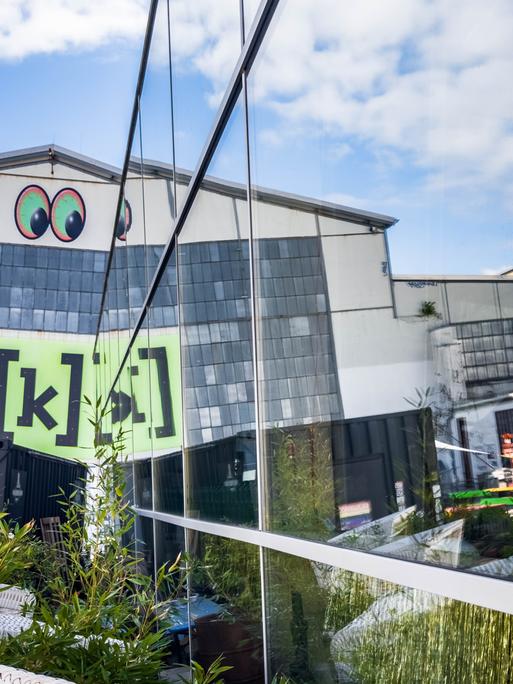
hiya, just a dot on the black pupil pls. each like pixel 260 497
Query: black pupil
pixel 73 224
pixel 120 228
pixel 39 221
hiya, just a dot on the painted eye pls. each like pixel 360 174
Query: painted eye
pixel 68 214
pixel 124 221
pixel 32 212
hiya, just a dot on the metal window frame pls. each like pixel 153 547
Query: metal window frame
pixel 247 56
pixel 488 592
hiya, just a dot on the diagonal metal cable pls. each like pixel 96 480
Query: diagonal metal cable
pixel 248 54
pixel 126 162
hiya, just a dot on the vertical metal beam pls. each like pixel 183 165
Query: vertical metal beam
pixel 262 489
pixel 251 46
pixel 131 131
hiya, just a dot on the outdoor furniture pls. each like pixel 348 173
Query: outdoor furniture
pixel 13 600
pixel 13 625
pixel 442 545
pixel 11 675
pixel 176 614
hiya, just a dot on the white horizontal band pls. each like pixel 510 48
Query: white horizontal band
pixel 488 592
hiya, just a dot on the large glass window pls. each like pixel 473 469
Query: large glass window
pixel 217 360
pixel 166 405
pixel 328 351
pixel 225 606
pixel 331 625
pixel 382 330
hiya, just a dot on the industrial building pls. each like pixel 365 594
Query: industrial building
pixel 329 438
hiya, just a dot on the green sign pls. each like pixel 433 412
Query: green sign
pixel 43 383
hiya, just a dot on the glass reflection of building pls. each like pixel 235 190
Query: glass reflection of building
pixel 317 397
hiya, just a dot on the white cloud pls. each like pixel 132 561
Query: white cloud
pixel 418 83
pixel 205 40
pixel 497 270
pixel 29 27
pixel 425 80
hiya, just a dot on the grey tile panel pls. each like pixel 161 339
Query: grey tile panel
pixel 300 381
pixel 50 289
pixel 487 352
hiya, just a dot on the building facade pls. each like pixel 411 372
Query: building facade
pixel 328 437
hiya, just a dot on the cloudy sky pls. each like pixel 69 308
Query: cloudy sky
pixel 401 107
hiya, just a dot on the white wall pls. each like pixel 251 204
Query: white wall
pixel 380 361
pixel 472 301
pixel 99 198
pixel 354 271
pixel 409 296
pixel 456 302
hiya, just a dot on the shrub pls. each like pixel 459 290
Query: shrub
pixel 17 551
pixel 96 619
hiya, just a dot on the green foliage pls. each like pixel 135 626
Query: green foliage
pixel 430 513
pixel 18 549
pixel 427 309
pixel 489 530
pixel 302 497
pixel 414 523
pixel 54 651
pixel 231 569
pixel 455 642
pixel 298 637
pixel 96 619
pixel 349 597
pixel 211 676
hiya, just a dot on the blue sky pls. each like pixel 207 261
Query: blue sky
pixel 80 101
pixel 399 109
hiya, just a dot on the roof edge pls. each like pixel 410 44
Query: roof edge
pixel 370 219
pixel 56 154
pixel 59 155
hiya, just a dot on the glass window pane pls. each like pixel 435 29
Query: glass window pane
pixel 213 262
pixel 205 46
pixel 226 604
pixel 381 428
pixel 166 412
pixel 169 547
pixel 145 545
pixel 329 625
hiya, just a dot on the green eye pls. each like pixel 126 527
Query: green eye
pixel 32 211
pixel 124 221
pixel 68 214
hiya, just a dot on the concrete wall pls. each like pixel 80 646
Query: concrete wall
pixel 456 301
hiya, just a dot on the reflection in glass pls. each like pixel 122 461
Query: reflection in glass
pixel 156 102
pixel 170 542
pixel 143 482
pixel 327 624
pixel 226 605
pixel 250 10
pixel 168 471
pixel 135 238
pixel 164 361
pixel 213 259
pixel 145 545
pixel 385 393
pixel 205 46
